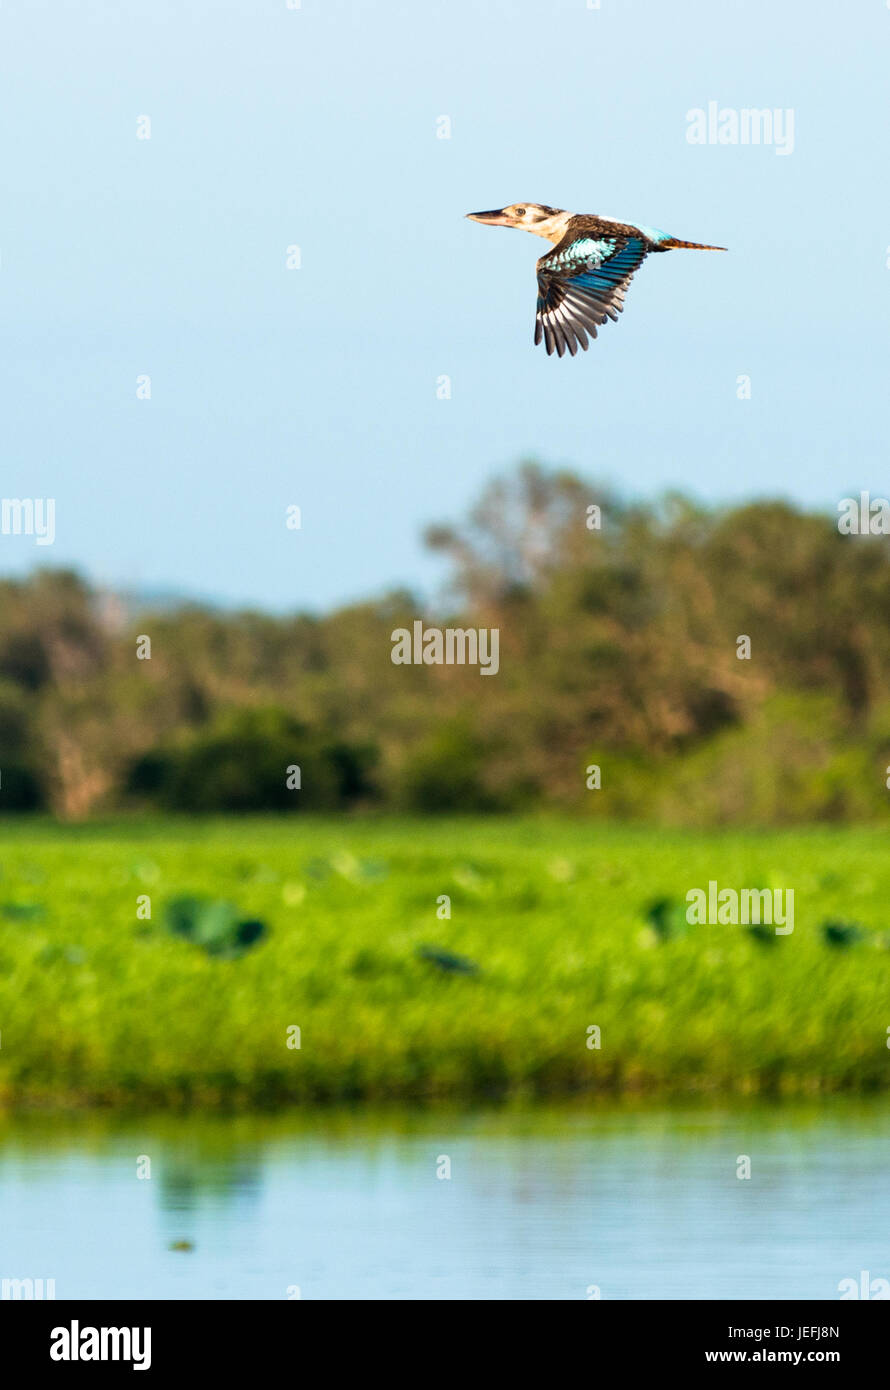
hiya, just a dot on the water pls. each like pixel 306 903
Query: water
pixel 641 1203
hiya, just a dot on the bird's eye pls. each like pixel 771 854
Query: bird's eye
pixel 520 212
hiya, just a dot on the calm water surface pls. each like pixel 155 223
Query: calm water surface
pixel 642 1203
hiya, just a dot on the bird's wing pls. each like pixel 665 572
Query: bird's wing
pixel 581 284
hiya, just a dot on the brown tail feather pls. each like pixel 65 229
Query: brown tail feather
pixel 692 245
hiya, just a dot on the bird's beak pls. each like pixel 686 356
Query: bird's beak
pixel 496 218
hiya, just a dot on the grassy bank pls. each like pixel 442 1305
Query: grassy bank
pixel 97 1006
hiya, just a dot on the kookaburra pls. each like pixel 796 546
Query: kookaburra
pixel 583 280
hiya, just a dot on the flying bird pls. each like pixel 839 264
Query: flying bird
pixel 583 280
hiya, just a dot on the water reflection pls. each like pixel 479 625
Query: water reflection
pixel 639 1202
pixel 184 1185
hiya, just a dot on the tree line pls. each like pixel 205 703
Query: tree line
pixel 619 631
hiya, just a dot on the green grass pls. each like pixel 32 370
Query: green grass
pixel 97 1007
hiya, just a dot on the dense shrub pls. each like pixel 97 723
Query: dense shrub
pixel 244 761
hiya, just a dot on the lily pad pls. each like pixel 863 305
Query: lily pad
pixel 667 918
pixel 842 933
pixel 22 912
pixel 214 924
pixel 447 961
pixel 765 935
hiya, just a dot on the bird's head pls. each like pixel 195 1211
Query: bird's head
pixel 530 217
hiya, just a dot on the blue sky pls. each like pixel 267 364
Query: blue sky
pixel 317 387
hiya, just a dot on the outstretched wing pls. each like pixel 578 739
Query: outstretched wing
pixel 581 284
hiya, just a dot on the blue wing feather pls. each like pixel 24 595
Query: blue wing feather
pixel 581 286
